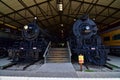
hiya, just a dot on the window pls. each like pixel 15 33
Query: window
pixel 107 38
pixel 116 37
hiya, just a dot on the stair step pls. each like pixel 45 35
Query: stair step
pixel 52 54
pixel 57 58
pixel 59 52
pixel 57 61
pixel 62 58
pixel 59 49
pixel 58 55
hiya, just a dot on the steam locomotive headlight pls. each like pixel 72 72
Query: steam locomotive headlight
pixel 87 27
pixel 34 47
pixel 26 27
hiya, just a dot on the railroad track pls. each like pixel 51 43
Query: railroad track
pixel 97 68
pixel 111 66
pixel 20 66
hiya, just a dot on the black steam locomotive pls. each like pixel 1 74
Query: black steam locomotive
pixel 87 42
pixel 31 46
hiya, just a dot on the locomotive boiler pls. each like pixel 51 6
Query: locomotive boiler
pixel 87 42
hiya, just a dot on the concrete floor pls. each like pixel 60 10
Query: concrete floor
pixel 98 74
pixel 46 70
pixel 44 78
pixel 56 67
pixel 61 74
pixel 4 61
pixel 60 70
pixel 114 60
pixel 64 70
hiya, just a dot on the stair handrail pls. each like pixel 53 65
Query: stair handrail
pixel 69 50
pixel 46 51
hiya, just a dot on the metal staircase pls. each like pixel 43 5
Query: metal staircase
pixel 57 55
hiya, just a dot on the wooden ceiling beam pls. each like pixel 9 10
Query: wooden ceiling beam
pixel 25 8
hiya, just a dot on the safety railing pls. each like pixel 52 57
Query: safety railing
pixel 46 52
pixel 69 50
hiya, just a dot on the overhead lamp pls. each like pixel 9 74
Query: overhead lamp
pixel 35 18
pixel 94 19
pixel 74 19
pixel 61 24
pixel 60 6
pixel 26 27
pixel 62 31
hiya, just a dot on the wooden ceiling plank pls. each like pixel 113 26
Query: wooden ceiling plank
pixel 105 8
pixel 14 10
pixel 25 6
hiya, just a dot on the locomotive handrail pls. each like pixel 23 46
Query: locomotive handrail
pixel 70 54
pixel 46 51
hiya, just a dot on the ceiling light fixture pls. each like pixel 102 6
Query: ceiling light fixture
pixel 61 24
pixel 62 31
pixel 60 7
pixel 74 19
pixel 94 19
pixel 35 18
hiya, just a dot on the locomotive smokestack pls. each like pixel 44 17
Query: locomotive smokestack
pixel 84 17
